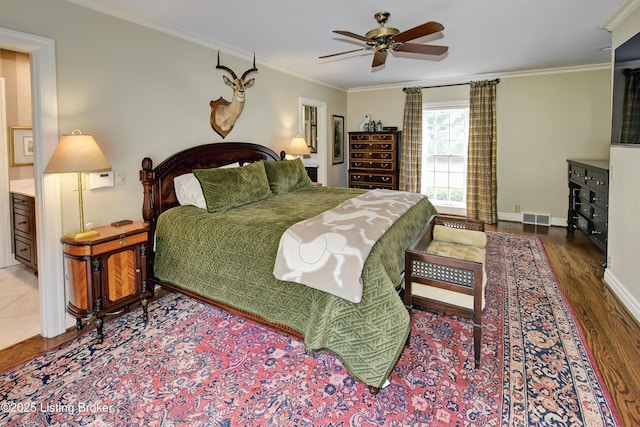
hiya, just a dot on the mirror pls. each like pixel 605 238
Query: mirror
pixel 313 124
pixel 310 127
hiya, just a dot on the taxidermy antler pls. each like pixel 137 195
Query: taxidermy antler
pixel 224 113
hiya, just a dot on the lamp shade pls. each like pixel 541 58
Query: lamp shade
pixel 77 152
pixel 298 146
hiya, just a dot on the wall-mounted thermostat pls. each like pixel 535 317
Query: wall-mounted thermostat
pixel 101 179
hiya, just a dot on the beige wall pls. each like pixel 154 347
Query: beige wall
pixel 15 70
pixel 623 270
pixel 144 93
pixel 542 120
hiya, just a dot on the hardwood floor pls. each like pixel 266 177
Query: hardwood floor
pixel 610 330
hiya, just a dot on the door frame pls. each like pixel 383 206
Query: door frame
pixel 6 251
pixel 323 146
pixel 44 99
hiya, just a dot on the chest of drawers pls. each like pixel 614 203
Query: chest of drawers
pixel 373 160
pixel 588 199
pixel 24 229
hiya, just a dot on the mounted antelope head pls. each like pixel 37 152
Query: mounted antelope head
pixel 224 113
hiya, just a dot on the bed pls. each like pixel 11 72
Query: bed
pixel 224 254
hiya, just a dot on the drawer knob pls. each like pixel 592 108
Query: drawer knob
pixel 123 242
pixel 385 178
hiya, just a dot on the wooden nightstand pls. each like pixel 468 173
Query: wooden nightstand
pixel 106 273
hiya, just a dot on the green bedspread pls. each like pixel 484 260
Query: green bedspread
pixel 229 257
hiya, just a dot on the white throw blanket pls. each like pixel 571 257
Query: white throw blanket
pixel 328 252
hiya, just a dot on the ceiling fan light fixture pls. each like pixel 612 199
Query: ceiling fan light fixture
pixel 382 32
pixel 385 38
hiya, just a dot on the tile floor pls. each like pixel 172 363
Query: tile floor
pixel 19 305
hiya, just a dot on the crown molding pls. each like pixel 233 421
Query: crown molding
pixel 505 75
pixel 623 12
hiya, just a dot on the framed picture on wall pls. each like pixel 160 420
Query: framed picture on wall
pixel 20 146
pixel 337 155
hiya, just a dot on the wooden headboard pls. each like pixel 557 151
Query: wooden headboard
pixel 157 183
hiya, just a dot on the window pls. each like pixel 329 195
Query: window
pixel 445 138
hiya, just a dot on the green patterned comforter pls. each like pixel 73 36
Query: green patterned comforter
pixel 229 257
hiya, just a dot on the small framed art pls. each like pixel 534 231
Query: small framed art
pixel 20 146
pixel 337 154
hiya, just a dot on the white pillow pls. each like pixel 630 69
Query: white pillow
pixel 189 190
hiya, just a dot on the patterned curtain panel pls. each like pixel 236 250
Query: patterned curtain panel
pixel 411 147
pixel 482 185
pixel 631 108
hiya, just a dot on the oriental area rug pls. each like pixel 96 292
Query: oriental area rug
pixel 195 365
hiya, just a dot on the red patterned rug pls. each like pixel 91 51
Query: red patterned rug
pixel 195 365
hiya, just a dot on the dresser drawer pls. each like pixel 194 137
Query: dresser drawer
pixel 370 186
pixel 360 137
pixel 22 224
pixel 101 248
pixel 577 173
pixel 597 199
pixel 372 146
pixel 22 202
pixel 383 137
pixel 599 218
pixel 597 180
pixel 373 178
pixel 598 236
pixel 373 155
pixel 372 165
pixel 583 224
pixel 24 250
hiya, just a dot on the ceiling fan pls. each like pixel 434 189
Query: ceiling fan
pixel 384 38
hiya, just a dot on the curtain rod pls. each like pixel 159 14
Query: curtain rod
pixel 404 89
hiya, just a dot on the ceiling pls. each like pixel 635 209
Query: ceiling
pixel 485 38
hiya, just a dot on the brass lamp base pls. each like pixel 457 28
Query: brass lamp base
pixel 81 235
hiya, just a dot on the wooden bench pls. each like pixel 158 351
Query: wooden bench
pixel 444 271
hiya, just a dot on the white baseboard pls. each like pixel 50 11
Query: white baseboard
pixel 623 295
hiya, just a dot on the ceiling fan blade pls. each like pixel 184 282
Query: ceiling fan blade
pixel 379 58
pixel 425 49
pixel 353 35
pixel 341 53
pixel 419 31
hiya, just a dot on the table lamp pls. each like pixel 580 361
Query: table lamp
pixel 78 153
pixel 298 146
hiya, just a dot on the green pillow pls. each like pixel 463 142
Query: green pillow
pixel 224 189
pixel 287 175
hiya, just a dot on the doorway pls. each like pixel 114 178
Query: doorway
pixel 321 135
pixel 44 99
